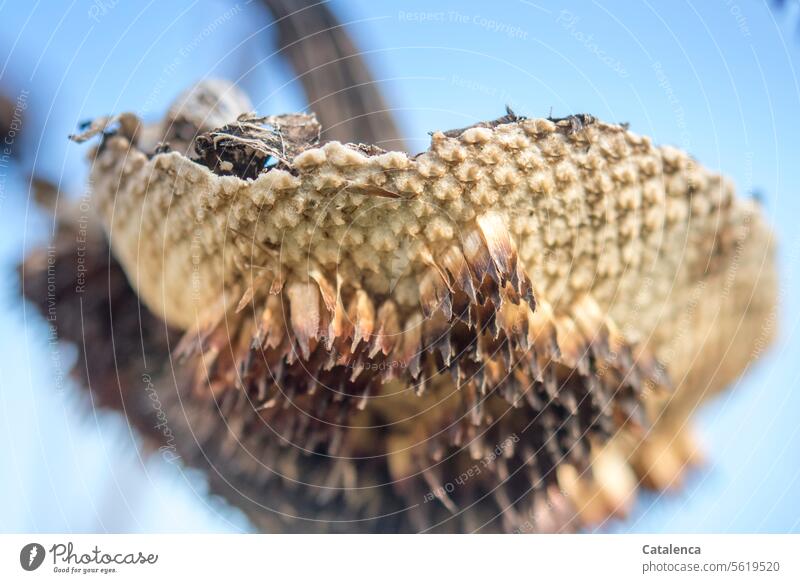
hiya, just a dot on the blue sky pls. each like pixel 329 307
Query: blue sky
pixel 716 78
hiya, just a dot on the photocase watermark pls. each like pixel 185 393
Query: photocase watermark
pixel 196 249
pixel 769 326
pixel 442 492
pixel 31 556
pixel 7 149
pixel 95 561
pixel 675 103
pixel 377 366
pixel 66 560
pixel 100 8
pixel 52 318
pixel 741 21
pixel 499 95
pixel 184 53
pixel 84 208
pixel 168 451
pixel 685 328
pixel 456 17
pixel 20 105
pixel 569 22
pixel 542 513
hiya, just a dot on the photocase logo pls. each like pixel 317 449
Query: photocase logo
pixel 31 556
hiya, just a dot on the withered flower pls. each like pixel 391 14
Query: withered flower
pixel 502 333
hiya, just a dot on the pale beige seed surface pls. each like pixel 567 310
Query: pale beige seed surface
pixel 668 253
pixel 598 210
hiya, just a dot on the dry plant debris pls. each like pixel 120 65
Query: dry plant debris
pixel 536 304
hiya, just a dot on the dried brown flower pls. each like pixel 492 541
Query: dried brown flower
pixel 529 310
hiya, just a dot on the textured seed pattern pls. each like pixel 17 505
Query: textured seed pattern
pixel 591 211
pixel 508 286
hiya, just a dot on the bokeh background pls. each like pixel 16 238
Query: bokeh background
pixel 717 78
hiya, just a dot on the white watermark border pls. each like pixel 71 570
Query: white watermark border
pixel 356 558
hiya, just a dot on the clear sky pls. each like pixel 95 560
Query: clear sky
pixel 717 78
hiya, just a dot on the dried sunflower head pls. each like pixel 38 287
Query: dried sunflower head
pixel 511 324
